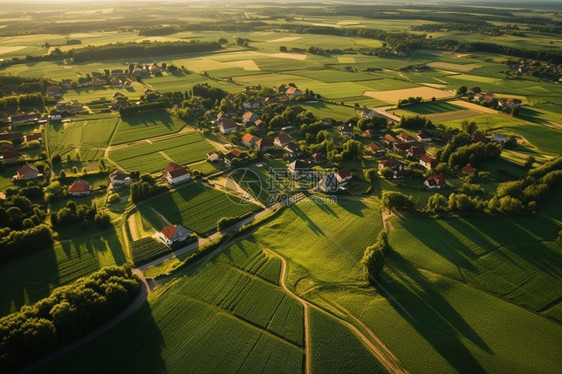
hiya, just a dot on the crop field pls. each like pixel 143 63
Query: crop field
pixel 327 110
pixel 147 248
pixel 434 107
pixel 220 318
pixel 344 355
pixel 154 156
pixel 198 207
pixel 144 126
pixel 86 137
pixel 453 66
pixel 392 96
pixel 28 279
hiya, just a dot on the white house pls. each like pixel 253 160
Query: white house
pixel 173 234
pixel 175 174
pixel 119 178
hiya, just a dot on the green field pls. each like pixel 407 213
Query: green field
pixel 222 318
pixel 154 156
pixel 86 138
pixel 147 248
pixel 28 279
pixel 431 107
pixel 197 207
pixel 130 129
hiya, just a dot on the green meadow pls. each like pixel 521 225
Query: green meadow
pixel 133 128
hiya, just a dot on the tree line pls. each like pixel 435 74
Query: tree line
pixel 68 313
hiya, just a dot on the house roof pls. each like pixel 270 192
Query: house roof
pixel 264 142
pixel 416 150
pixel 10 135
pixel 437 179
pixel 344 173
pixel 34 136
pixel 10 152
pixel 118 175
pixel 479 138
pixel 53 89
pixel 176 170
pixel 402 146
pixel 468 169
pixel 406 137
pixel 228 123
pixel 173 231
pixel 249 138
pixel 79 185
pixel 391 162
pixel 367 134
pixel 375 148
pixel 248 115
pixel 283 138
pixel 292 147
pixel 299 165
pixel 389 138
pixel 26 169
pixel 426 158
pixel 291 90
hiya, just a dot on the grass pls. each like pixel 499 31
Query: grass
pixel 148 125
pixel 198 207
pixel 433 107
pixel 30 278
pixel 147 248
pixel 344 355
pixel 154 156
pixel 220 318
pixel 87 138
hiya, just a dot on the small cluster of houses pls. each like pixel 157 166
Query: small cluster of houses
pixel 9 154
pixel 479 96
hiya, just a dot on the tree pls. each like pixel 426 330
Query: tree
pixel 462 90
pixel 436 203
pixel 469 127
pixel 373 258
pixel 529 162
pixel 394 200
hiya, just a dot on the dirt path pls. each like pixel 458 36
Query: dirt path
pixel 132 227
pixel 229 185
pixel 303 302
pixel 386 214
pixel 378 348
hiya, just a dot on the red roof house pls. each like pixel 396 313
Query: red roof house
pixel 79 188
pixel 436 181
pixel 175 173
pixel 468 169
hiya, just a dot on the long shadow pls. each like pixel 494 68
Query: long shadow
pixel 438 239
pixel 133 346
pixel 149 120
pixel 414 297
pixel 352 206
pixel 28 279
pixel 311 224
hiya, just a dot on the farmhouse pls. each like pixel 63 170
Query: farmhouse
pixel 293 91
pixel 428 162
pixel 435 181
pixel 299 167
pixel 367 113
pixel 5 135
pixel 389 139
pixel 282 139
pixel 264 145
pixel 250 117
pixel 31 137
pixel 401 148
pixel 27 171
pixel 227 125
pixel 392 164
pixel 468 169
pixel 79 188
pixel 212 156
pixel 248 140
pixel 234 153
pixel 54 91
pixel 175 173
pixel 69 106
pixel 424 137
pixel 329 183
pixel 292 149
pixel 343 175
pixel 119 178
pixel 480 138
pixel 173 234
pixel 9 153
pixel 368 134
pixel 416 151
pixel 405 137
pixel 17 119
pixel 260 125
pixel 376 149
pixel 499 138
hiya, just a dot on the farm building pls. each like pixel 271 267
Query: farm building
pixel 79 188
pixel 435 181
pixel 428 162
pixel 392 164
pixel 212 156
pixel 292 149
pixel 376 149
pixel 480 138
pixel 119 178
pixel 389 139
pixel 282 139
pixel 264 145
pixel 227 125
pixel 175 173
pixel 405 137
pixel 32 137
pixel 328 183
pixel 27 171
pixel 499 138
pixel 173 234
pixel 468 169
pixel 234 153
pixel 343 175
pixel 416 151
pixel 9 153
pixel 250 116
pixel 20 118
pixel 299 167
pixel 293 91
pixel 248 140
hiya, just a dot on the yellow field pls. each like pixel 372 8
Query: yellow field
pixel 474 107
pixel 393 96
pixel 454 67
pixel 348 22
pixel 346 60
pixel 4 50
pixel 286 39
pixel 207 64
pixel 294 56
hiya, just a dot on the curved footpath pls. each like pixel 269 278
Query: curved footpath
pixel 126 313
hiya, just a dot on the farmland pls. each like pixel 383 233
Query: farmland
pixel 464 279
pixel 149 157
pixel 197 207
